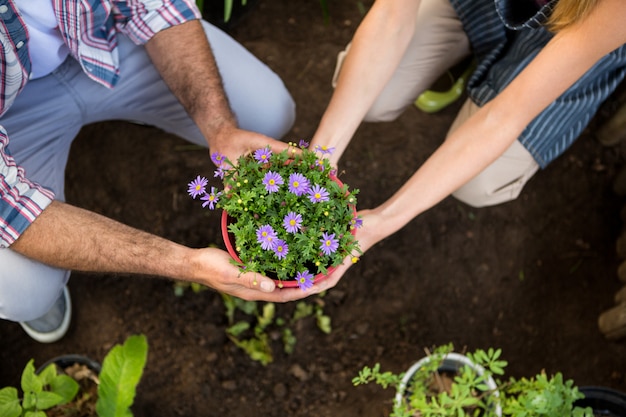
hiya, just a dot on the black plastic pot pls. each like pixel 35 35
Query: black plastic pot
pixel 605 402
pixel 65 361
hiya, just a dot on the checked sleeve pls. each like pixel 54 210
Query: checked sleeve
pixel 141 20
pixel 21 201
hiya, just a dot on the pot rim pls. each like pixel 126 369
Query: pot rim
pixel 605 399
pixel 226 237
pixel 71 358
pixel 451 357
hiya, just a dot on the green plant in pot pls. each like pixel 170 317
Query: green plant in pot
pixel 76 386
pixel 286 214
pixel 448 384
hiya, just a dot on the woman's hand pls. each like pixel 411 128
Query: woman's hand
pixel 370 233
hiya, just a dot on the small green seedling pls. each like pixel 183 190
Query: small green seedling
pixel 121 371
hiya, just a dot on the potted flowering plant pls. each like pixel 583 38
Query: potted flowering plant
pixel 286 215
pixel 450 384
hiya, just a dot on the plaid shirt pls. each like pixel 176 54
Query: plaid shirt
pixel 89 28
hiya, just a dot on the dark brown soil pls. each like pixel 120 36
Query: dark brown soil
pixel 530 276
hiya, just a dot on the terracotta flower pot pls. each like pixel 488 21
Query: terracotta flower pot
pixel 229 242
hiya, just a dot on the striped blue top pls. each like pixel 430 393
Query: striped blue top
pixel 505 36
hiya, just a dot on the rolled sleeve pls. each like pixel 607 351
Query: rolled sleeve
pixel 21 201
pixel 141 20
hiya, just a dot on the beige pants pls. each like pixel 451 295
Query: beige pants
pixel 439 43
pixel 501 181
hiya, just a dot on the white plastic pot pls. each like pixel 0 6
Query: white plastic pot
pixel 452 362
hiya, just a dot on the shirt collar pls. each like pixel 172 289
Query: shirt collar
pixel 526 14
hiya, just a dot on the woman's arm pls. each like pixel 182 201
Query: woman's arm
pixel 492 129
pixel 376 50
pixel 486 135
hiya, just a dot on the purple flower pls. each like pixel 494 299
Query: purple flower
pixel 271 181
pixel 329 243
pixel 325 150
pixel 266 236
pixel 211 198
pixel 197 187
pixel 281 249
pixel 219 172
pixel 356 222
pixel 303 144
pixel 298 184
pixel 217 158
pixel 304 280
pixel 263 155
pixel 292 222
pixel 318 194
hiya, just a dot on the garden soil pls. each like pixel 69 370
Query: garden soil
pixel 530 277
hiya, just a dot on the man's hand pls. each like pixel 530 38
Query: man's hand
pixel 213 268
pixel 232 143
pixel 192 75
pixel 68 237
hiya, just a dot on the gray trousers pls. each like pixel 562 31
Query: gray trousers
pixel 49 113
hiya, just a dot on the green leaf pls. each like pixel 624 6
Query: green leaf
pixel 289 341
pixel 66 387
pixel 257 348
pixel 323 323
pixel 248 307
pixel 47 399
pixel 34 414
pixel 29 401
pixel 267 317
pixel 48 374
pixel 238 328
pixel 228 7
pixel 302 310
pixel 9 403
pixel 30 382
pixel 121 371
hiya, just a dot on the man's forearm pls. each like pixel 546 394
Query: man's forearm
pixel 68 237
pixel 72 238
pixel 184 58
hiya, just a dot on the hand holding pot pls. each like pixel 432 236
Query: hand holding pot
pixel 368 234
pixel 212 267
pixel 233 142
